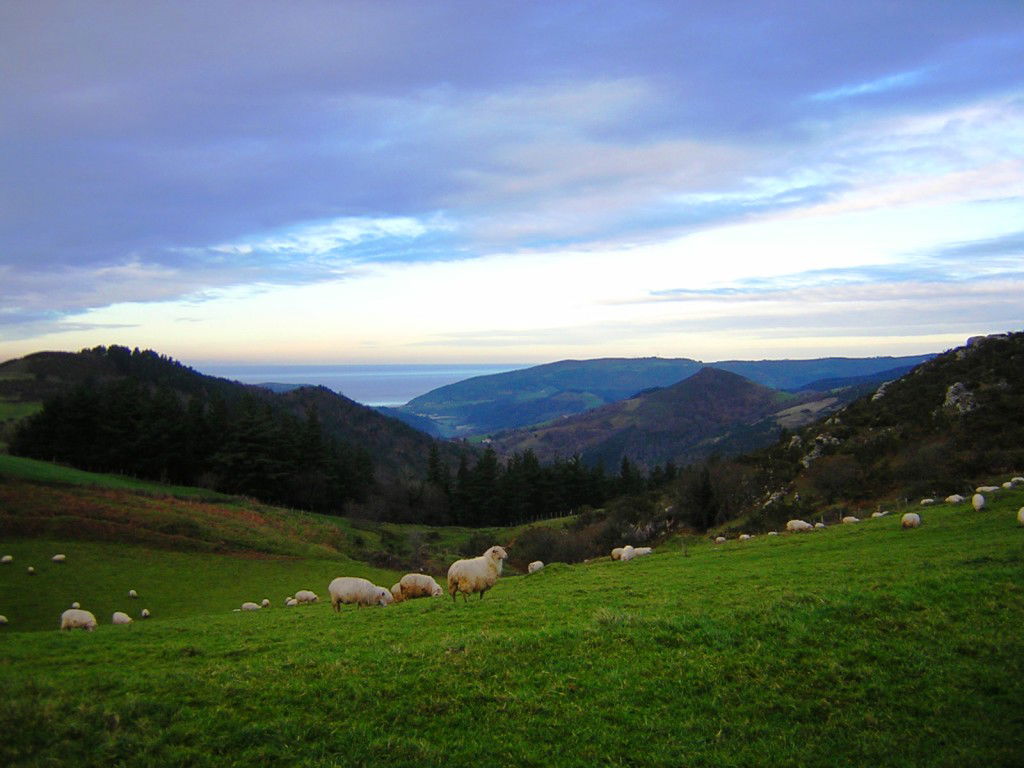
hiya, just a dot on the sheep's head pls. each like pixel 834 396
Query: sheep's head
pixel 496 553
pixel 385 596
pixel 436 590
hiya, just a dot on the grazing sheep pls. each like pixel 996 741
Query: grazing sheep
pixel 306 596
pixel 910 520
pixel 978 502
pixel 132 593
pixel 1020 516
pixel 120 617
pixel 850 519
pixel 535 566
pixel 7 559
pixel 927 502
pixel 414 585
pixel 74 618
pixel 396 592
pixel 955 498
pixel 59 558
pixel 617 553
pixel 265 602
pixel 290 602
pixel 986 488
pixel 720 540
pixel 773 533
pixel 250 606
pixel 76 604
pixel 639 551
pixel 478 574
pixel 798 525
pixel 819 524
pixel 30 571
pixel 352 589
pixel 144 613
pixel 744 536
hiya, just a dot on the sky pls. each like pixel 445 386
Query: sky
pixel 413 182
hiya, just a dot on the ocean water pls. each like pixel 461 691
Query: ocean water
pixel 375 385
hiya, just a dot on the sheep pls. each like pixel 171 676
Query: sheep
pixel 535 566
pixel 396 592
pixel 639 551
pixel 144 613
pixel 879 514
pixel 1017 481
pixel 819 524
pixel 306 596
pixel 628 553
pixel 74 618
pixel 910 520
pixel 744 536
pixel 978 502
pixel 250 606
pixel 986 488
pixel 1007 484
pixel 850 519
pixel 59 558
pixel 30 571
pixel 265 602
pixel 132 593
pixel 352 589
pixel 798 525
pixel 414 585
pixel 291 602
pixel 478 574
pixel 720 540
pixel 76 604
pixel 120 617
pixel 955 498
pixel 7 559
pixel 773 533
pixel 3 621
pixel 617 553
pixel 1020 516
pixel 927 502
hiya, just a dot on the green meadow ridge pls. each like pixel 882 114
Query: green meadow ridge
pixel 857 645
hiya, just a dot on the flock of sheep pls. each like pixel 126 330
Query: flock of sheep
pixel 472 575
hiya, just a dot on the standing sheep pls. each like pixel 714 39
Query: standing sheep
pixel 74 618
pixel 306 596
pixel 535 566
pixel 414 585
pixel 265 602
pixel 978 502
pixel 144 613
pixel 1020 516
pixel 120 617
pixel 132 593
pixel 798 525
pixel 910 520
pixel 478 574
pixel 352 589
pixel 76 604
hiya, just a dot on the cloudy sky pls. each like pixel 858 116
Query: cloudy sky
pixel 510 181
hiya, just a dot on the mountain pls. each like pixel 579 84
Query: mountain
pixel 712 411
pixel 515 399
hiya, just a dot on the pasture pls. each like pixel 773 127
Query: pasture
pixel 857 645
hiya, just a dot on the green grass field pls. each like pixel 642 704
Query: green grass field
pixel 859 645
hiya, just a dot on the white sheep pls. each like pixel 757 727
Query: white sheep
pixel 7 559
pixel 535 566
pixel 955 498
pixel 628 553
pixel 352 589
pixel 720 540
pixel 798 525
pixel 819 524
pixel 927 502
pixel 978 502
pixel 1017 480
pixel 306 596
pixel 30 571
pixel 132 593
pixel 640 551
pixel 120 617
pixel 59 558
pixel 1020 516
pixel 265 602
pixel 250 606
pixel 617 553
pixel 910 520
pixel 478 574
pixel 74 618
pixel 850 519
pixel 76 604
pixel 986 488
pixel 414 585
pixel 144 613
pixel 879 514
pixel 773 533
pixel 1007 484
pixel 3 621
pixel 291 602
pixel 744 536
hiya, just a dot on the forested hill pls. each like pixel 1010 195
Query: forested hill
pixel 113 409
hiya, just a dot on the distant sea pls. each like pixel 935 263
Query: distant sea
pixel 375 385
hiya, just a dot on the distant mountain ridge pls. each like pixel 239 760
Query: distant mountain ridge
pixel 489 404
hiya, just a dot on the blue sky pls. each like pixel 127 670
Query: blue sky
pixel 484 181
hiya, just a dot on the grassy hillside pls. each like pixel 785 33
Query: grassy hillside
pixel 858 645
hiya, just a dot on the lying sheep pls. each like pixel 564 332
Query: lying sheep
pixel 535 566
pixel 720 540
pixel 3 621
pixel 352 589
pixel 144 613
pixel 306 596
pixel 798 525
pixel 819 524
pixel 744 536
pixel 640 551
pixel 478 574
pixel 986 488
pixel 132 593
pixel 955 498
pixel 617 553
pixel 850 519
pixel 291 602
pixel 414 585
pixel 879 514
pixel 1015 481
pixel 628 553
pixel 75 618
pixel 59 558
pixel 120 617
pixel 265 602
pixel 978 502
pixel 773 533
pixel 910 520
pixel 7 559
pixel 76 604
pixel 1007 484
pixel 250 606
pixel 927 502
pixel 30 571
pixel 1020 516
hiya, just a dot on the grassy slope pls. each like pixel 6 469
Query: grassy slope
pixel 859 645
